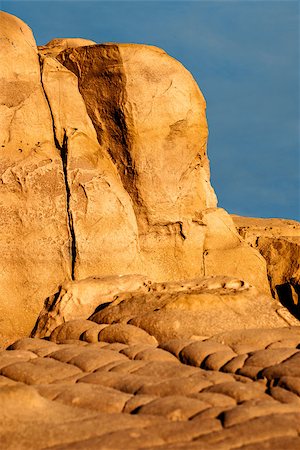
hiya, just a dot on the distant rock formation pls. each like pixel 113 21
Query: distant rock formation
pixel 278 241
pixel 104 172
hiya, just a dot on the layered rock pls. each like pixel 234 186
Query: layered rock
pixel 235 390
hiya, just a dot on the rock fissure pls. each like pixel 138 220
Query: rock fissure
pixel 73 249
pixel 63 151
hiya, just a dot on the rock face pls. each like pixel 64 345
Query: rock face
pixel 103 177
pixel 34 235
pixel 104 172
pixel 278 241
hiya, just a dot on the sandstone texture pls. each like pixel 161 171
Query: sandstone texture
pixel 34 234
pixel 235 390
pixel 157 320
pixel 278 241
pixel 104 172
pixel 197 307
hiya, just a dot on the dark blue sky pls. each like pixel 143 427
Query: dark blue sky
pixel 245 58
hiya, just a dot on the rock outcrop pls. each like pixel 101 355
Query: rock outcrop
pixel 236 390
pixel 104 172
pixel 186 309
pixel 278 241
pixel 160 329
pixel 34 234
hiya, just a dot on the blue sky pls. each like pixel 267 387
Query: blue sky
pixel 245 58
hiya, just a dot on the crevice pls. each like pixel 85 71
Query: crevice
pixel 73 251
pixel 181 231
pixel 63 150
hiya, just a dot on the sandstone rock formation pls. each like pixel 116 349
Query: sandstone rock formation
pixel 237 390
pixel 104 172
pixel 160 329
pixel 55 46
pixel 278 241
pixel 185 309
pixel 80 299
pixel 34 235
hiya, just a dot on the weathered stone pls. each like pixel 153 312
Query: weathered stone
pixel 155 354
pixel 83 395
pixel 126 334
pixel 283 395
pixel 7 358
pixel 39 371
pixel 240 391
pixel 112 78
pixel 163 369
pixel 215 399
pixel 71 330
pixel 174 407
pixel 91 360
pixel 290 367
pixel 34 236
pixel 225 253
pixel 245 412
pixel 132 350
pixel 128 383
pixel 35 418
pixel 179 386
pixel 291 383
pixel 278 241
pixel 193 308
pixel 256 431
pixel 175 346
pixel 195 353
pixel 244 341
pixel 269 357
pixel 217 360
pixel 78 300
pixel 235 363
pixel 136 402
pixel 55 46
pixel 286 442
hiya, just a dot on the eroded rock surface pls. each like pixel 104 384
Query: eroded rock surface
pixel 104 176
pixel 198 307
pixel 80 299
pixel 104 172
pixel 236 390
pixel 278 241
pixel 34 235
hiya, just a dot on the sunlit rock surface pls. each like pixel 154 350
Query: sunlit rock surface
pixel 151 315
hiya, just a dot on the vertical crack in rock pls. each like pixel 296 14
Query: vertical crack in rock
pixel 64 157
pixel 63 150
